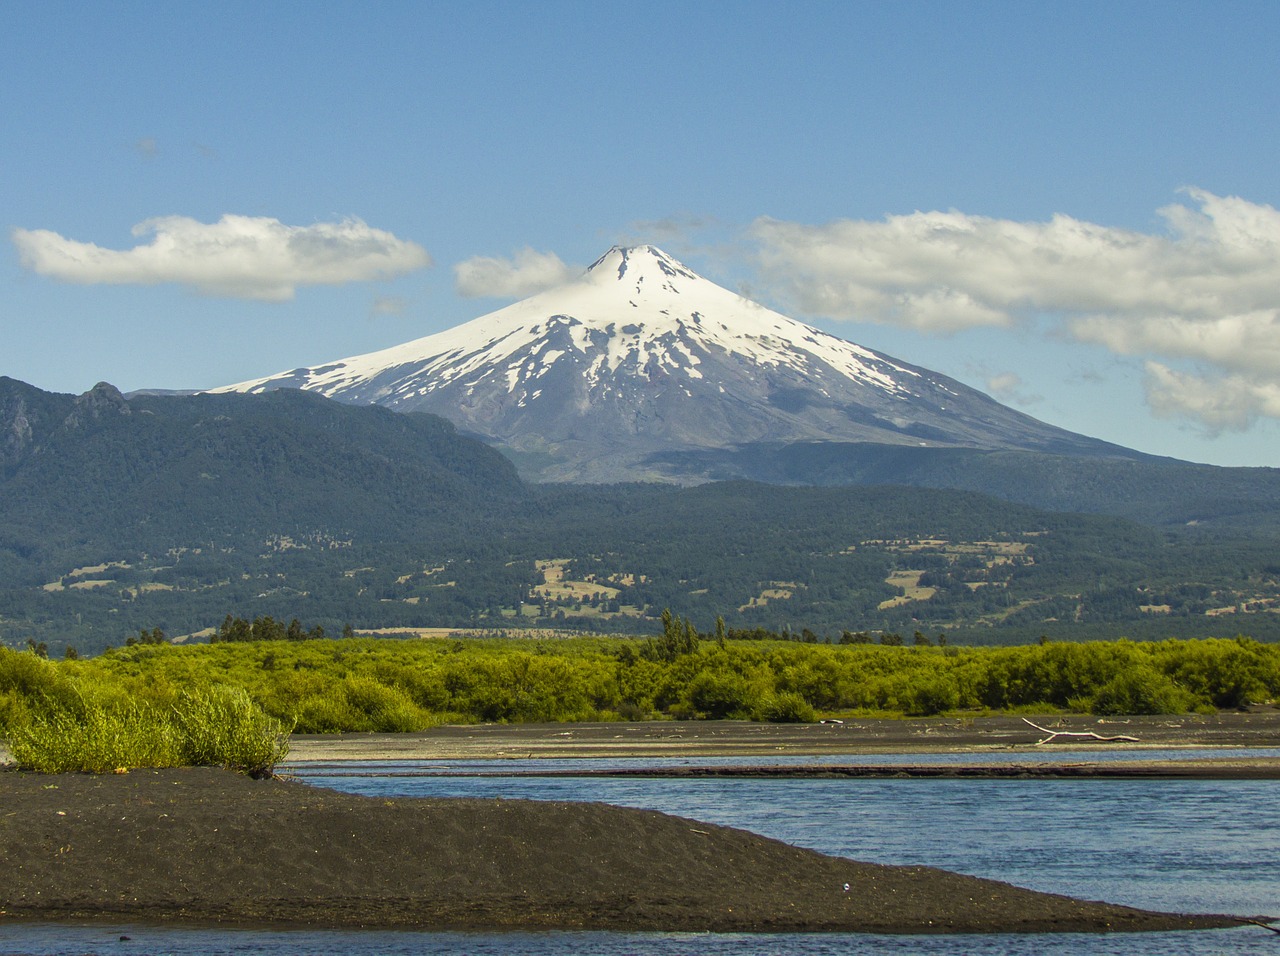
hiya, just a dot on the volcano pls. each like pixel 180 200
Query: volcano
pixel 607 376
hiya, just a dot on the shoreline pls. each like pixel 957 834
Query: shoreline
pixel 1190 736
pixel 1215 769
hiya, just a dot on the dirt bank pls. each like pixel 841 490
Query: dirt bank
pixel 203 845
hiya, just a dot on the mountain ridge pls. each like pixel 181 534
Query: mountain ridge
pixel 595 379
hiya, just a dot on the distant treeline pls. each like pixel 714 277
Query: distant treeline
pixel 363 684
pixel 267 628
pixel 806 636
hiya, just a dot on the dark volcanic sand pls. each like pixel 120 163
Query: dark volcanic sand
pixel 203 845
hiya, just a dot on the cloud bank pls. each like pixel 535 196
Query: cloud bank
pixel 1009 387
pixel 1206 291
pixel 388 305
pixel 237 257
pixel 527 273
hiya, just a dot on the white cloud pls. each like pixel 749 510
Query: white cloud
pixel 528 272
pixel 1009 387
pixel 387 305
pixel 237 256
pixel 678 230
pixel 1205 291
pixel 1248 343
pixel 1005 383
pixel 1217 402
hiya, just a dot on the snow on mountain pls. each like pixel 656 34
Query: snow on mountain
pixel 646 304
pixel 640 356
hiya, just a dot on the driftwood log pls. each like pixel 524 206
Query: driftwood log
pixel 1074 733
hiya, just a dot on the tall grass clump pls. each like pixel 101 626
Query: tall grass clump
pixel 91 736
pixel 218 727
pixel 223 727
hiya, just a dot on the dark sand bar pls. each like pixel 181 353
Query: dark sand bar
pixel 208 846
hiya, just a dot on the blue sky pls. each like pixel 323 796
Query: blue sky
pixel 1071 206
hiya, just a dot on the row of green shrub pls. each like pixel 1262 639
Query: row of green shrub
pixel 326 686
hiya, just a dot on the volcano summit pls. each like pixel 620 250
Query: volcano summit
pixel 605 377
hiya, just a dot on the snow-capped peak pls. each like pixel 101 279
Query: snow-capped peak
pixel 635 306
pixel 604 377
pixel 641 262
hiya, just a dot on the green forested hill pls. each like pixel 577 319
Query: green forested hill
pixel 173 511
pixel 153 473
pixel 1157 491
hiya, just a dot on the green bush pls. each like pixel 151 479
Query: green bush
pixel 381 709
pixel 1225 673
pixel 30 683
pixel 1141 690
pixel 932 695
pixel 788 708
pixel 717 694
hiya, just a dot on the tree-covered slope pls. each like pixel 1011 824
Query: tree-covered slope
pixel 1156 491
pixel 144 472
pixel 174 511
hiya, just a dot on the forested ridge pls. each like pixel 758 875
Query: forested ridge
pixel 171 512
pixel 1162 492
